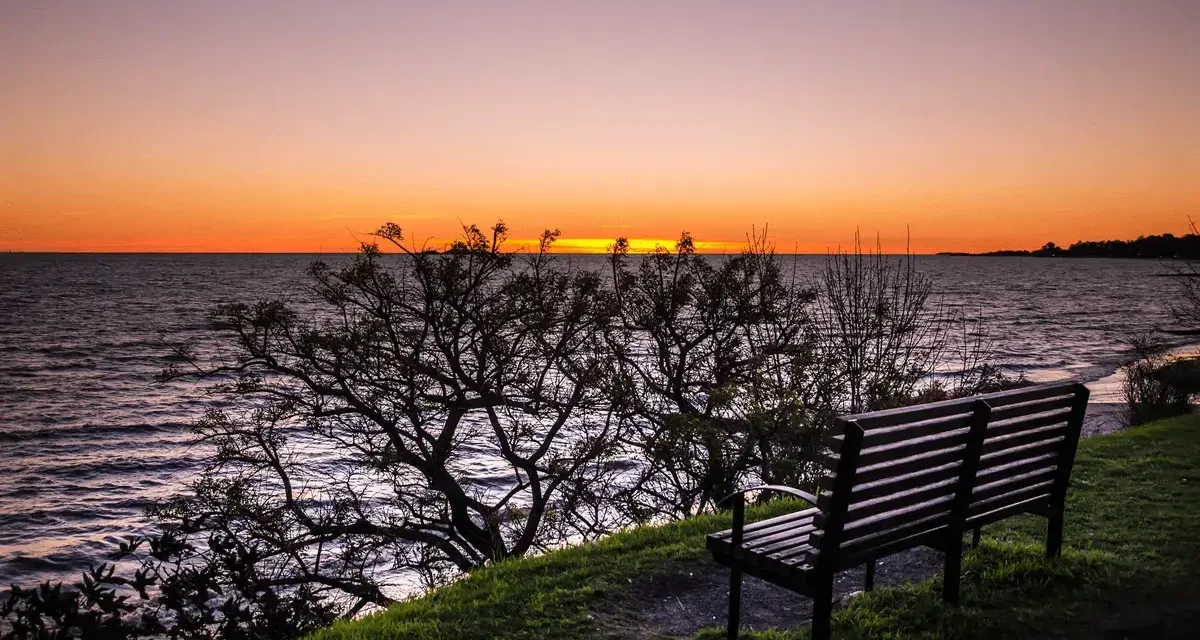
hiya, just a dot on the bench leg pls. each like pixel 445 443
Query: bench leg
pixel 735 601
pixel 953 571
pixel 869 582
pixel 975 536
pixel 822 609
pixel 1054 532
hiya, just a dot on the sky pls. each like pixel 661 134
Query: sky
pixel 299 126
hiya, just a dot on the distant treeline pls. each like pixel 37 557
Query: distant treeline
pixel 1163 246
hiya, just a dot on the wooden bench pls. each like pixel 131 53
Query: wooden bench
pixel 908 477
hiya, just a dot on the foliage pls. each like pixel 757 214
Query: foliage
pixel 1155 385
pixel 730 372
pixel 715 374
pixel 177 589
pixel 1165 246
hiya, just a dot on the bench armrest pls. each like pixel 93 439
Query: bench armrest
pixel 739 508
pixel 803 495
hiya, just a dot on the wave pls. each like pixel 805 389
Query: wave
pixel 88 431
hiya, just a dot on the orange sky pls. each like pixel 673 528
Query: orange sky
pixel 152 126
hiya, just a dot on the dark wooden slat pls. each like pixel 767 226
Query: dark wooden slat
pixel 1010 484
pixel 1015 497
pixel 769 536
pixel 900 484
pixel 775 522
pixel 916 413
pixel 909 430
pixel 900 499
pixel 776 533
pixel 905 467
pixel 793 552
pixel 923 537
pixel 1037 449
pixel 891 417
pixel 1025 424
pixel 1045 461
pixel 1041 405
pixel 788 577
pixel 782 528
pixel 1040 434
pixel 1007 511
pixel 781 541
pixel 912 447
pixel 1027 394
pixel 880 539
pixel 892 519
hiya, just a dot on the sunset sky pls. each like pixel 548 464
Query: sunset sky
pixel 296 126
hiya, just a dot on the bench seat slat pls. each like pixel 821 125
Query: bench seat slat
pixel 777 521
pixel 781 541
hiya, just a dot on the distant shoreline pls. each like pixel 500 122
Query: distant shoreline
pixel 1161 247
pixel 1038 254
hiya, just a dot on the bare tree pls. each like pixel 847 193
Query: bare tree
pixel 1186 308
pixel 707 350
pixel 882 332
pixel 432 411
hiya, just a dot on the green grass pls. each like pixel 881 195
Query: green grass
pixel 1131 564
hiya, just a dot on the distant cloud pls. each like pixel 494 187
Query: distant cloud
pixel 74 214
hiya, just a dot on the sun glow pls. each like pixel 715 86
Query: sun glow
pixel 980 126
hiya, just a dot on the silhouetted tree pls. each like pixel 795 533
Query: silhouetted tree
pixel 347 437
pixel 1186 307
pixel 715 357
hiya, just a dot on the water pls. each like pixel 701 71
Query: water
pixel 87 438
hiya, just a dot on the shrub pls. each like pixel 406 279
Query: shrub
pixel 1155 385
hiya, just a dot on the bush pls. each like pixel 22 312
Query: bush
pixel 1155 385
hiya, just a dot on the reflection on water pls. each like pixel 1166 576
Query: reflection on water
pixel 87 439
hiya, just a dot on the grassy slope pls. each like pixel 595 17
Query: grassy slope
pixel 1133 557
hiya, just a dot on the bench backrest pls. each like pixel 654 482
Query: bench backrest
pixel 898 478
pixel 1028 452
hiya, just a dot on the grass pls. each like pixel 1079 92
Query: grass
pixel 1131 564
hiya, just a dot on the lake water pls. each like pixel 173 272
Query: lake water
pixel 87 438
